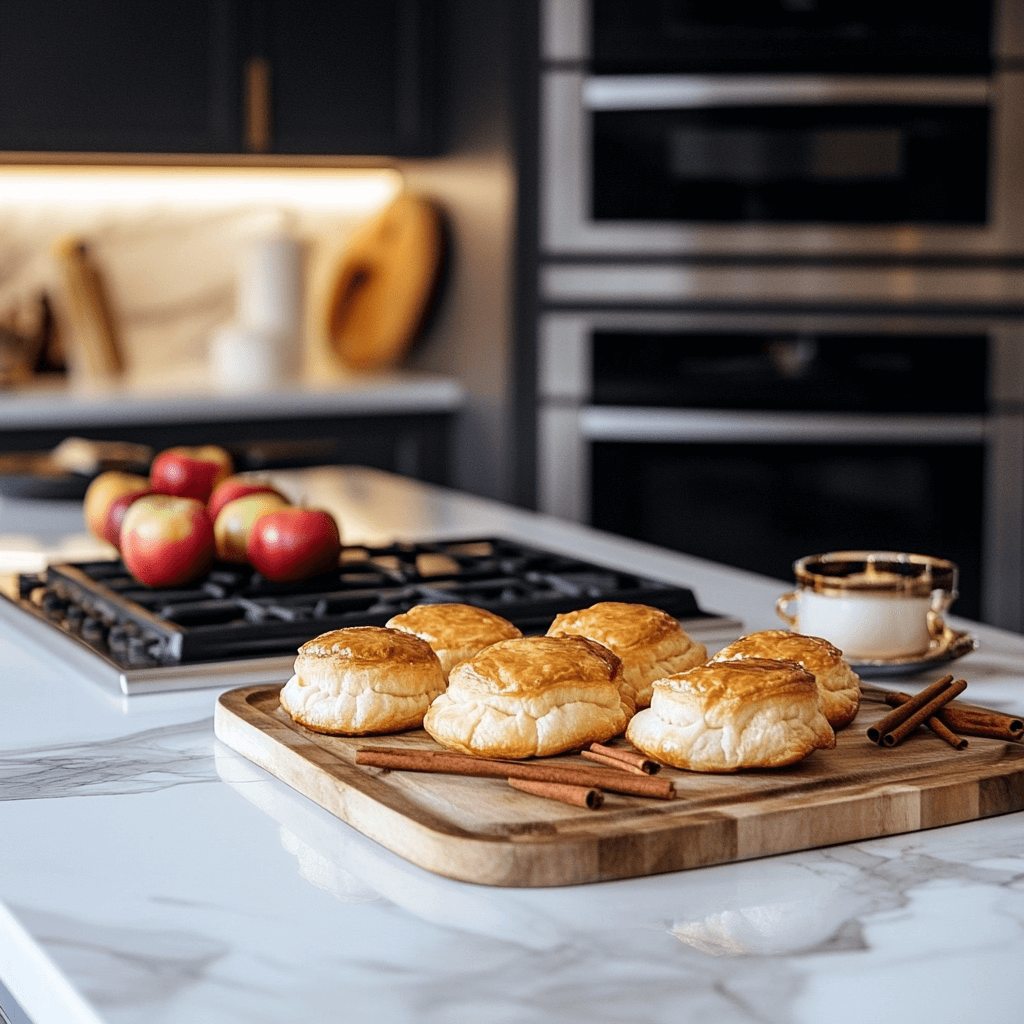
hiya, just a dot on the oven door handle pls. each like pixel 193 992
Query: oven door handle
pixel 729 426
pixel 675 92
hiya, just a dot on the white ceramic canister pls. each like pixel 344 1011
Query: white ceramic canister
pixel 270 296
pixel 873 605
pixel 244 359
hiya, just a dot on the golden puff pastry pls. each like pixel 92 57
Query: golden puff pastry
pixel 650 642
pixel 455 631
pixel 364 679
pixel 529 698
pixel 728 715
pixel 838 684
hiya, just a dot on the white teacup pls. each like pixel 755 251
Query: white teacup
pixel 873 605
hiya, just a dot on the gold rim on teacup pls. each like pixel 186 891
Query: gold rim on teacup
pixel 879 572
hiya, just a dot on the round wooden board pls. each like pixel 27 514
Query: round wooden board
pixel 386 284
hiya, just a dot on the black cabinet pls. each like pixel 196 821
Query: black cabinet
pixel 108 77
pixel 349 77
pixel 218 76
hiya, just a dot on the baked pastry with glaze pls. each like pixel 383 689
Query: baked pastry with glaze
pixel 531 697
pixel 363 679
pixel 838 684
pixel 455 631
pixel 728 715
pixel 650 642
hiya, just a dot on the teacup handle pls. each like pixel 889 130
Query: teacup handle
pixel 782 604
pixel 941 600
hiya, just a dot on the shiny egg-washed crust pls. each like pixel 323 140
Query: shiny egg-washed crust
pixel 531 697
pixel 650 642
pixel 838 684
pixel 364 679
pixel 728 715
pixel 455 631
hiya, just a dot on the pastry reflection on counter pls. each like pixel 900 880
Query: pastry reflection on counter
pixel 763 928
pixel 325 874
pixel 341 861
pixel 786 908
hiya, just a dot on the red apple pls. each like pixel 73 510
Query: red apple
pixel 232 527
pixel 234 487
pixel 190 472
pixel 115 516
pixel 101 494
pixel 167 541
pixel 294 544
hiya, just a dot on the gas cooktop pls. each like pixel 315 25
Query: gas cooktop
pixel 233 627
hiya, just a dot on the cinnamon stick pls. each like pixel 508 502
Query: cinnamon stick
pixel 899 715
pixel 935 723
pixel 611 762
pixel 645 764
pixel 578 796
pixel 449 763
pixel 897 735
pixel 945 733
pixel 970 720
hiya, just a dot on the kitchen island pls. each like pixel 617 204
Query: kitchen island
pixel 149 874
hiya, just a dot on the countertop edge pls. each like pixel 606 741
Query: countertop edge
pixel 385 395
pixel 35 981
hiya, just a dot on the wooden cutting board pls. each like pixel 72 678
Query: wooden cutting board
pixel 481 830
pixel 387 284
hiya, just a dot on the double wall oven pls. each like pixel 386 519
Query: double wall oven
pixel 783 127
pixel 782 280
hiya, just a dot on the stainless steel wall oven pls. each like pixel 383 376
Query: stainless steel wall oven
pixel 754 438
pixel 801 127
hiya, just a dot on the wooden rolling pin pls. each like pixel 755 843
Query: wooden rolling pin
pixel 88 307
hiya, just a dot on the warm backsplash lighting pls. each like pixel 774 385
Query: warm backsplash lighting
pixel 341 190
pixel 170 242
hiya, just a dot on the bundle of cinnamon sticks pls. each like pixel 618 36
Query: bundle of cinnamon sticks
pixel 936 708
pixel 623 771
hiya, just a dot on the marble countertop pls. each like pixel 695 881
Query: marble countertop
pixel 178 401
pixel 148 874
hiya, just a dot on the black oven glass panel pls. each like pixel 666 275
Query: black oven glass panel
pixel 902 36
pixel 760 507
pixel 836 164
pixel 790 371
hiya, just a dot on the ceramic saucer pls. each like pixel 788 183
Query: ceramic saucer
pixel 953 644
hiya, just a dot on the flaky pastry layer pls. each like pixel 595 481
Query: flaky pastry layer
pixel 838 684
pixel 725 716
pixel 650 643
pixel 530 697
pixel 364 679
pixel 456 632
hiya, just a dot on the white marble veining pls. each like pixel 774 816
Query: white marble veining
pixel 143 762
pixel 150 874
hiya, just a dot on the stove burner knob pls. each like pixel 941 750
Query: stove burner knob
pixel 53 605
pixel 156 648
pixel 93 630
pixel 138 650
pixel 120 635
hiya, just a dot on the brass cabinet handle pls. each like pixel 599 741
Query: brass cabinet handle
pixel 257 105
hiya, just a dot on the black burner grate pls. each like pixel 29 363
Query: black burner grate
pixel 235 613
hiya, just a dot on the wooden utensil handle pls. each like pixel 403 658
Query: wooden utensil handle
pixel 89 307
